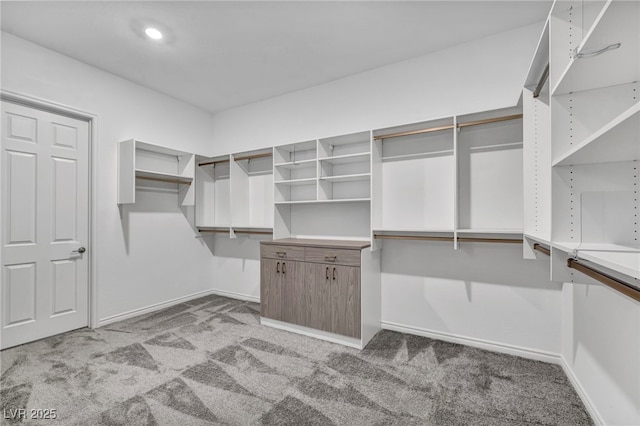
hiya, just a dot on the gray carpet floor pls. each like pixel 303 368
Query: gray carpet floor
pixel 209 361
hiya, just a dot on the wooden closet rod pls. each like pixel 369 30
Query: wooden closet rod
pixel 213 162
pixel 180 182
pixel 450 126
pixel 542 249
pixel 413 132
pixel 490 120
pixel 249 157
pixel 605 279
pixel 255 232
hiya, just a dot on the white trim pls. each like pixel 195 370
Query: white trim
pixel 476 343
pixel 239 296
pixel 152 308
pixel 92 119
pixel 582 393
pixel 310 332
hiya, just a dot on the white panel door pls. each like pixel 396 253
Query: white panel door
pixel 45 224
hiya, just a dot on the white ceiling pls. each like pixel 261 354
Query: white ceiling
pixel 218 55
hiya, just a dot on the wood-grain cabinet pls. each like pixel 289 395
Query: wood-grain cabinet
pixel 316 287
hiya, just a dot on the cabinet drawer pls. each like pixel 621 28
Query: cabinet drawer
pixel 273 251
pixel 328 255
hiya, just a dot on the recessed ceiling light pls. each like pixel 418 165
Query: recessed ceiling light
pixel 153 33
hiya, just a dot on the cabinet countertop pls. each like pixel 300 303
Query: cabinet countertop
pixel 311 242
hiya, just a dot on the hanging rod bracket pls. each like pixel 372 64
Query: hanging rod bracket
pixel 578 55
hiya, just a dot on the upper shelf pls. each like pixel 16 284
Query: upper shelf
pixel 302 164
pixel 619 258
pixel 618 22
pixel 617 140
pixel 347 159
pixel 163 177
pixel 140 160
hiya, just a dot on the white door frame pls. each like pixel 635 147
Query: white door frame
pixel 92 119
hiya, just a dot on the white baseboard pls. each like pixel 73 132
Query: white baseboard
pixel 582 393
pixel 152 308
pixel 239 296
pixel 476 343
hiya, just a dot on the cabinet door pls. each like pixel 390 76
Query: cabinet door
pixel 345 300
pixel 270 289
pixel 292 276
pixel 318 295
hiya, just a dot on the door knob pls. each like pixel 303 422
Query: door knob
pixel 80 250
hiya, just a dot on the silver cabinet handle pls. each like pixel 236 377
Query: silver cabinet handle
pixel 331 258
pixel 281 253
pixel 80 250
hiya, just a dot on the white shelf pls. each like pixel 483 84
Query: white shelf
pixel 415 230
pixel 616 23
pixel 336 201
pixel 614 141
pixel 296 182
pixel 347 158
pixel 538 239
pixel 490 231
pixel 623 259
pixel 302 164
pixel 347 178
pixel 161 175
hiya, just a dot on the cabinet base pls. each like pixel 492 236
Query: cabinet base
pixel 311 332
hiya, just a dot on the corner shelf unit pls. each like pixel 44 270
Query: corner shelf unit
pixel 585 136
pixel 157 167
